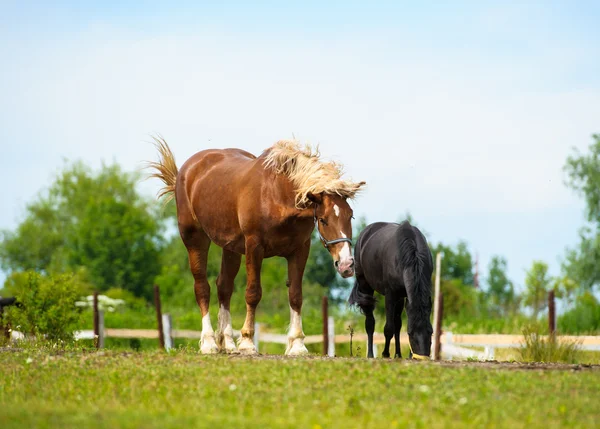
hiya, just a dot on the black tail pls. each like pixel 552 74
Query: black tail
pixel 416 281
pixel 364 301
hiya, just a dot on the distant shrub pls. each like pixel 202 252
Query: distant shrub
pixel 48 308
pixel 538 349
pixel 583 318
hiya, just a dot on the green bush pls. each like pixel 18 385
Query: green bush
pixel 538 349
pixel 584 318
pixel 48 305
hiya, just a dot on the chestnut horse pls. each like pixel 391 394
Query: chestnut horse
pixel 259 207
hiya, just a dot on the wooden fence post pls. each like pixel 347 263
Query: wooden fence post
pixel 100 329
pixel 551 315
pixel 3 327
pixel 437 344
pixel 167 328
pixel 96 322
pixel 331 336
pixel 436 303
pixel 256 335
pixel 161 334
pixel 325 312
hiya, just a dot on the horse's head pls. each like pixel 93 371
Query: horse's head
pixel 333 222
pixel 419 329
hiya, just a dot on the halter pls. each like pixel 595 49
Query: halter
pixel 325 242
pixel 416 356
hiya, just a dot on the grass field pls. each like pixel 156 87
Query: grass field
pixel 183 389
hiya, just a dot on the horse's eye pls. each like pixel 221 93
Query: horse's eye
pixel 322 221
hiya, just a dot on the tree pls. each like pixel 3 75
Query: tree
pixel 456 264
pixel 500 294
pixel 582 264
pixel 538 283
pixel 92 219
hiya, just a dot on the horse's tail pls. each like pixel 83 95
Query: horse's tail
pixel 416 281
pixel 165 168
pixel 364 301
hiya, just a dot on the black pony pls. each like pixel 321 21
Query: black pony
pixel 395 260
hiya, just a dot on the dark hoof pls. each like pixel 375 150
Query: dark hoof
pixel 398 357
pixel 385 355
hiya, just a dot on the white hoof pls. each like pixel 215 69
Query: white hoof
pixel 229 346
pixel 296 347
pixel 208 345
pixel 226 343
pixel 246 346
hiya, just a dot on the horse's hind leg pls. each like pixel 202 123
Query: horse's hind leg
pixel 198 244
pixel 365 291
pixel 369 328
pixel 254 258
pixel 230 265
pixel 388 329
pixel 399 307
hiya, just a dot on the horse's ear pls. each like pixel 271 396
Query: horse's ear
pixel 315 198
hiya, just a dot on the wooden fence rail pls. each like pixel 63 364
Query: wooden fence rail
pixel 454 345
pixel 444 344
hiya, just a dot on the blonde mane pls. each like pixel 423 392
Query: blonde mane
pixel 308 173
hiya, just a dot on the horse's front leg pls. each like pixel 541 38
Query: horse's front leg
pixel 296 265
pixel 254 258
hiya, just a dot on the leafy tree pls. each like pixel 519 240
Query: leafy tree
pixel 459 299
pixel 500 294
pixel 582 264
pixel 92 219
pixel 456 263
pixel 583 318
pixel 538 283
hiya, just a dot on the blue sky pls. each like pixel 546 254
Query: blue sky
pixel 462 113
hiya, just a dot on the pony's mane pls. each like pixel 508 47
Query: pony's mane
pixel 307 172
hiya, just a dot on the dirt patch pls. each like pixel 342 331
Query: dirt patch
pixel 10 349
pixel 444 363
pixel 519 365
pixel 501 365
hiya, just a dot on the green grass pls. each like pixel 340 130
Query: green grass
pixel 183 389
pixel 538 349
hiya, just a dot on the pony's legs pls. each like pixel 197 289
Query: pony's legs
pixel 230 265
pixel 254 258
pixel 368 312
pixel 388 329
pixel 296 265
pixel 369 328
pixel 398 308
pixel 198 254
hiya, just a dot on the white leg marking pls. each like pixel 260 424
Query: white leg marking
pixel 246 346
pixel 336 210
pixel 208 344
pixel 225 331
pixel 296 345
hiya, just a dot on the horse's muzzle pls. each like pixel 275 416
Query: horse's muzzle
pixel 345 268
